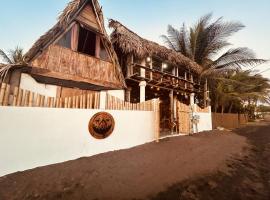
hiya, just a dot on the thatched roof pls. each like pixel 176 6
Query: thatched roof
pixel 129 42
pixel 68 16
pixel 64 20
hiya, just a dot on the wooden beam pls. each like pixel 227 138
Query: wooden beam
pixel 171 110
pixel 97 53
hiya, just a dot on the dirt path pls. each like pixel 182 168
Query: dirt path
pixel 249 178
pixel 138 173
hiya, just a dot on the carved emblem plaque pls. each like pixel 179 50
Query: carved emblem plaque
pixel 101 125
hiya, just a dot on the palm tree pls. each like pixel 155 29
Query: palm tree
pixel 205 41
pixel 239 89
pixel 11 59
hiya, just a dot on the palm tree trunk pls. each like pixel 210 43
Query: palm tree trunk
pixel 230 108
pixel 215 107
pixel 222 108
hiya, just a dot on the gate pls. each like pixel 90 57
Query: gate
pixel 183 118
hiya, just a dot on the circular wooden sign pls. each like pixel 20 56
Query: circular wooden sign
pixel 101 125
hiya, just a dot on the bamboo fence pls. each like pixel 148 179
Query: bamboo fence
pixel 114 103
pixel 24 98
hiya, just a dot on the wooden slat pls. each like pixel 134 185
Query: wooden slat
pixel 77 102
pixel 66 102
pixel 43 101
pixel 38 102
pixel 2 93
pixel 15 96
pixel 81 101
pixel 88 17
pixel 69 102
pixel 26 98
pixel 20 98
pixel 48 102
pixel 6 97
pixel 52 103
pixel 31 99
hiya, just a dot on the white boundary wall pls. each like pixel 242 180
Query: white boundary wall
pixel 33 137
pixel 205 122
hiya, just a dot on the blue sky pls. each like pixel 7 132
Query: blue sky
pixel 22 22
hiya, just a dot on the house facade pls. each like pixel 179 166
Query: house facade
pixel 154 71
pixel 78 83
pixel 74 57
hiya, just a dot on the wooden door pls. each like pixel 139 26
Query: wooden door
pixel 183 118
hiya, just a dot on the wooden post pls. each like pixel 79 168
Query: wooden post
pixel 84 102
pixel 128 94
pixel 20 96
pixel 26 98
pixel 66 102
pixel 2 93
pixel 60 102
pixel 98 102
pixel 90 101
pixel 15 96
pixel 77 102
pixel 57 102
pixel 171 111
pixel 48 102
pixel 31 99
pixel 42 101
pixel 73 102
pixel 192 81
pixel 6 98
pixel 81 101
pixel 97 53
pixel 157 119
pixel 38 100
pixel 130 63
pixel 69 102
pixel 52 105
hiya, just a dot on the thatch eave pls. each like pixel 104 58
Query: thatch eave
pixel 131 43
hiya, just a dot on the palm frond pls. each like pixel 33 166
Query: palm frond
pixel 235 59
pixel 5 57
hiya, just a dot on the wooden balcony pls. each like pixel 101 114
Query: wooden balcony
pixel 157 78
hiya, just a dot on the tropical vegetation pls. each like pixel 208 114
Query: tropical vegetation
pixel 231 87
pixel 10 59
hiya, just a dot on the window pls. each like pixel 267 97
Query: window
pixel 84 41
pixel 65 41
pixel 87 42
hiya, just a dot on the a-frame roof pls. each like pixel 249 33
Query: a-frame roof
pixel 68 16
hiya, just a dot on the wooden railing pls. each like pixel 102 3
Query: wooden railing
pixel 24 98
pixel 162 78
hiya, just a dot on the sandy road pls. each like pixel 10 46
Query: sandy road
pixel 248 177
